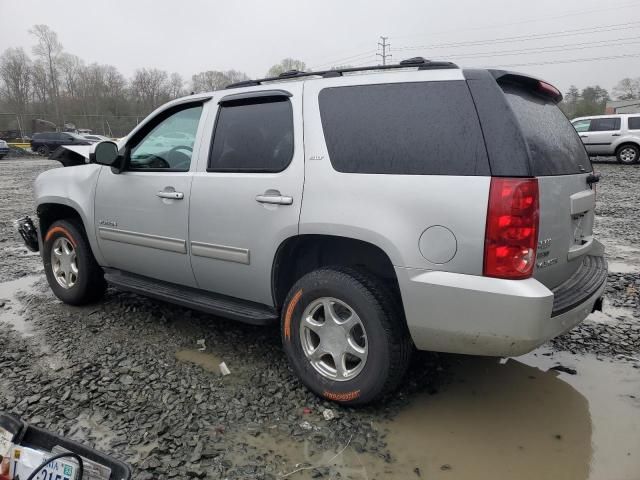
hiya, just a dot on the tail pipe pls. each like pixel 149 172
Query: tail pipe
pixel 597 307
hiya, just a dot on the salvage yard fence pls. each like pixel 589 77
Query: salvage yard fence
pixel 15 126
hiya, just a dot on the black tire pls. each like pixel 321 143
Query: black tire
pixel 89 285
pixel 628 154
pixel 387 338
pixel 43 150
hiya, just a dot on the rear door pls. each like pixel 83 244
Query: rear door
pixel 567 202
pixel 246 197
pixel 602 133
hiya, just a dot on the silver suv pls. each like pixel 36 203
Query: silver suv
pixel 370 211
pixel 617 135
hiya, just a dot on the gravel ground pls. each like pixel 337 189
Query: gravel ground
pixel 108 375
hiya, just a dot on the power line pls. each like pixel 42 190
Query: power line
pixel 537 36
pixel 345 59
pixel 572 13
pixel 575 60
pixel 384 53
pixel 550 48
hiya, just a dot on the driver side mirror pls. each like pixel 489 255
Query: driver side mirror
pixel 105 153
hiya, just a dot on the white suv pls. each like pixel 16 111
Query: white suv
pixel 617 135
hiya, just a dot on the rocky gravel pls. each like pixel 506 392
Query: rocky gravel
pixel 107 374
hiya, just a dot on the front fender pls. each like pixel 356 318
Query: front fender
pixel 74 187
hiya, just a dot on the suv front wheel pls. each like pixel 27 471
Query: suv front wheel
pixel 72 272
pixel 345 336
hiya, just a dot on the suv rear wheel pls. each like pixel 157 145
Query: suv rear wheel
pixel 43 150
pixel 73 274
pixel 345 336
pixel 628 154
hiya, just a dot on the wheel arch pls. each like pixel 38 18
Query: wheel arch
pixel 50 210
pixel 298 255
pixel 626 142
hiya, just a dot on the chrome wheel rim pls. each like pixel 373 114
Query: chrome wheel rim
pixel 63 262
pixel 628 155
pixel 333 339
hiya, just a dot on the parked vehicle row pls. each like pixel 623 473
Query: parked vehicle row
pixel 608 135
pixel 4 148
pixel 408 235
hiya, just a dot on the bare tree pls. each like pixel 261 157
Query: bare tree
pixel 48 50
pixel 627 89
pixel 40 83
pixel 286 65
pixel 150 87
pixel 215 80
pixel 15 74
pixel 176 85
pixel 71 68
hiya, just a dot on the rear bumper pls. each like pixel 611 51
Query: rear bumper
pixel 4 151
pixel 451 312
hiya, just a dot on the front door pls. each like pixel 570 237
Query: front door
pixel 142 213
pixel 246 199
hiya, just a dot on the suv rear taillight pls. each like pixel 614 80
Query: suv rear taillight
pixel 512 228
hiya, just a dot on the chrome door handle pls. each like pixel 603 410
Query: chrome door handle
pixel 171 195
pixel 584 136
pixel 616 134
pixel 274 199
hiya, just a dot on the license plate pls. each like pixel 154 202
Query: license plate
pixel 58 470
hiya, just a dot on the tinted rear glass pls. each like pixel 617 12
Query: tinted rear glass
pixel 604 124
pixel 422 128
pixel 554 145
pixel 634 123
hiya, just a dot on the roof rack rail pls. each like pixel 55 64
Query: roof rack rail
pixel 419 62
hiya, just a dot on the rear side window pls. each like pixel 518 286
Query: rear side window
pixel 554 145
pixel 421 128
pixel 604 124
pixel 254 135
pixel 634 123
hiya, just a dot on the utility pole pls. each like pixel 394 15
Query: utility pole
pixel 385 46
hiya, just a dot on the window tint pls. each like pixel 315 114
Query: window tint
pixel 554 145
pixel 422 128
pixel 604 124
pixel 170 144
pixel 634 123
pixel 254 135
pixel 581 125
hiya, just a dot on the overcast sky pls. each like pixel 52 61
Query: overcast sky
pixel 188 36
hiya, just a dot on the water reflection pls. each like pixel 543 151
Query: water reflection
pixel 494 421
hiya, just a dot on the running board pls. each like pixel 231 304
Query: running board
pixel 221 305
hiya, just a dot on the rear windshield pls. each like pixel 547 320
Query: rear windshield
pixel 421 128
pixel 554 144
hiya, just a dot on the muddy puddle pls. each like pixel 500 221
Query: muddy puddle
pixel 496 419
pixel 208 361
pixel 10 312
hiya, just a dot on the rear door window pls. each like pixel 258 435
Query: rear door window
pixel 554 145
pixel 421 128
pixel 634 123
pixel 605 124
pixel 253 135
